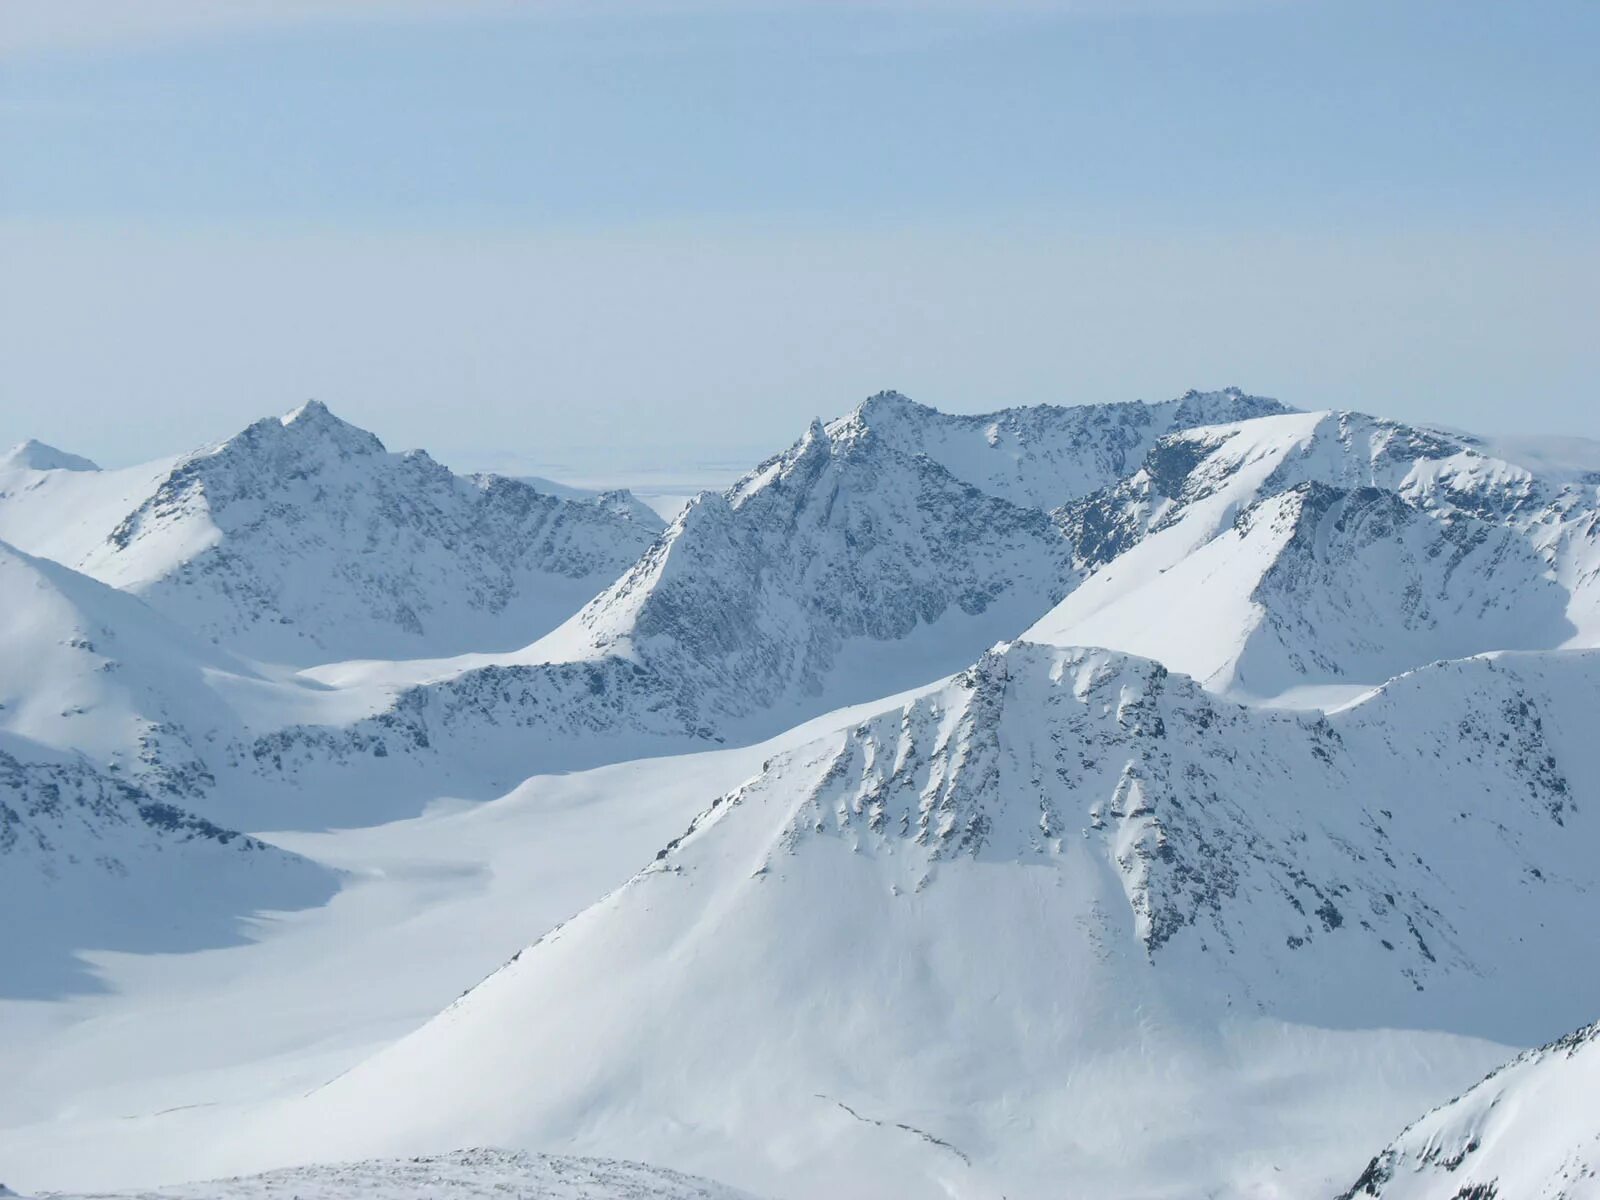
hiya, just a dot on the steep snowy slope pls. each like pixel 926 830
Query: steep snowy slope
pixel 88 860
pixel 1326 548
pixel 302 540
pixel 462 1175
pixel 1530 1131
pixel 87 668
pixel 1069 926
pixel 881 551
pixel 1320 585
pixel 115 726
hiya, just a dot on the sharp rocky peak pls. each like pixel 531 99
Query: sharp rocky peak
pixel 315 422
pixel 1225 407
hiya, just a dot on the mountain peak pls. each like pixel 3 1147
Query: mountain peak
pixel 316 419
pixel 889 403
pixel 35 455
pixel 1226 406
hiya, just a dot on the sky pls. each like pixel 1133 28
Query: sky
pixel 608 239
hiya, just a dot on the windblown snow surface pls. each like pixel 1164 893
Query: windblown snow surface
pixel 462 1175
pixel 1125 800
pixel 1527 1132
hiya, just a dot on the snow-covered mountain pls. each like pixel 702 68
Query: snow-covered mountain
pixel 88 860
pixel 462 1175
pixel 34 455
pixel 1046 455
pixel 1530 1131
pixel 1316 549
pixel 1001 940
pixel 87 668
pixel 303 540
pixel 1274 827
pixel 1302 556
pixel 879 552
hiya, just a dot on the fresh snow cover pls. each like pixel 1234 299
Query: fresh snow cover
pixel 1271 830
pixel 1320 585
pixel 462 1175
pixel 85 667
pixel 158 1061
pixel 1530 1131
pixel 1313 550
pixel 302 540
pixel 34 455
pixel 1044 455
pixel 854 564
pixel 89 670
pixel 1184 909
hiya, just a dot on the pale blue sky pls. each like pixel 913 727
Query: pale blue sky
pixel 591 237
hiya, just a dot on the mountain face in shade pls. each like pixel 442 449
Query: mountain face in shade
pixel 88 860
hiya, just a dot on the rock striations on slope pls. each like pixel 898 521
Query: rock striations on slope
pixel 1530 1131
pixel 1329 549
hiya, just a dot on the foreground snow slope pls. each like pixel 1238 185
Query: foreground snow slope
pixel 301 540
pixel 1530 1131
pixel 462 1175
pixel 1005 938
pixel 129 1085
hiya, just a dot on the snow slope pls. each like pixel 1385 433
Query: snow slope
pixel 1530 1131
pixel 302 540
pixel 87 668
pixel 176 1050
pixel 34 455
pixel 1306 550
pixel 1004 939
pixel 462 1175
pixel 1070 923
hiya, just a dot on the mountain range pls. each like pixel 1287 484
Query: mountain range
pixel 1143 800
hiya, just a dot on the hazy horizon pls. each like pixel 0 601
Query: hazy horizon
pixel 596 238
